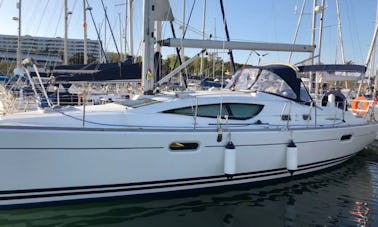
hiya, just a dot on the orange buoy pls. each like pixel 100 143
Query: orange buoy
pixel 360 106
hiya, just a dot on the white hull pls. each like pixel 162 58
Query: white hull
pixel 179 142
pixel 64 168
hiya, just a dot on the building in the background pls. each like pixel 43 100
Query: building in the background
pixel 44 50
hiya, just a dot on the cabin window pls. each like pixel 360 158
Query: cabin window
pixel 236 111
pixel 304 94
pixel 177 146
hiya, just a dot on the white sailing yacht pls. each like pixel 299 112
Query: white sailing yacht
pixel 178 142
pixel 269 129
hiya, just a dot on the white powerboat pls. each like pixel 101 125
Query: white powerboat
pixel 176 142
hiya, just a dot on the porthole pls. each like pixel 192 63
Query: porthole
pixel 286 117
pixel 306 117
pixel 346 137
pixel 177 146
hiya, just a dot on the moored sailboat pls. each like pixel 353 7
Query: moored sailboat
pixel 179 142
pixel 267 128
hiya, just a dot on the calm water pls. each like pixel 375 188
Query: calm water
pixel 346 196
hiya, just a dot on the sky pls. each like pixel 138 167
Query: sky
pixel 273 21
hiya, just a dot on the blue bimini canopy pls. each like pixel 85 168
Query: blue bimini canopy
pixel 332 68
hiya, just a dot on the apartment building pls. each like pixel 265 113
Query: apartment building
pixel 44 50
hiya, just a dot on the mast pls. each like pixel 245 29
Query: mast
pixel 131 28
pixel 19 54
pixel 65 45
pixel 148 46
pixel 85 32
pixel 373 40
pixel 105 32
pixel 311 76
pixel 125 33
pixel 203 34
pixel 319 9
pixel 340 32
pixel 122 57
pixel 368 58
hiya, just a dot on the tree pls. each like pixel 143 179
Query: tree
pixel 78 58
pixel 6 67
pixel 113 57
pixel 211 64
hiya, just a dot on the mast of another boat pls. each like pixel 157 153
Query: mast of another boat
pixel 65 41
pixel 85 31
pixel 203 34
pixel 340 38
pixel 128 23
pixel 131 28
pixel 18 71
pixel 148 46
pixel 311 75
pixel 370 53
pixel 126 27
pixel 340 32
pixel 319 9
pixel 19 44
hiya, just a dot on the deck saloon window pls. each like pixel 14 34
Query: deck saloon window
pixel 236 111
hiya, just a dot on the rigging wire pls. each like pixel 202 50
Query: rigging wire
pixel 298 26
pixel 98 34
pixel 232 62
pixel 190 16
pixel 72 11
pixel 111 30
pixel 42 15
pixel 56 30
pixel 183 36
pixel 355 38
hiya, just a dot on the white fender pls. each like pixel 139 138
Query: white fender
pixel 291 157
pixel 331 100
pixel 230 159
